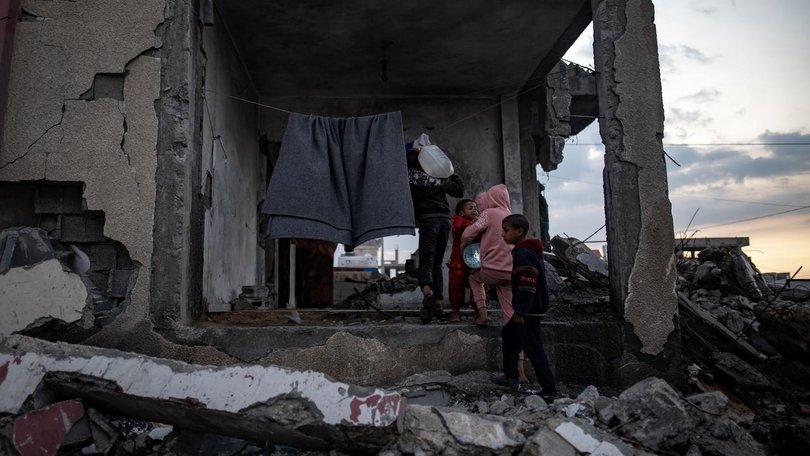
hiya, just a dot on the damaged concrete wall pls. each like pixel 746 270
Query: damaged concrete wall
pixel 24 299
pixel 81 107
pixel 639 219
pixel 474 145
pixel 232 172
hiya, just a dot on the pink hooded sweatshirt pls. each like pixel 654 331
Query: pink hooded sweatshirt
pixel 493 206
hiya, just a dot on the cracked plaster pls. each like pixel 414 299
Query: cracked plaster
pixel 44 290
pixel 651 302
pixel 107 144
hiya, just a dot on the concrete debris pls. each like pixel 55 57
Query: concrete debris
pixel 739 372
pixel 651 412
pixel 304 413
pixel 302 409
pixel 432 430
pixel 577 258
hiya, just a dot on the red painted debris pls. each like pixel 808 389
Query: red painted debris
pixel 384 405
pixel 3 372
pixel 42 431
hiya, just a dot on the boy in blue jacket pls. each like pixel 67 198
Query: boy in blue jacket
pixel 530 301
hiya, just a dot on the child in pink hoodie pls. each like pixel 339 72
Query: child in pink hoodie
pixel 496 255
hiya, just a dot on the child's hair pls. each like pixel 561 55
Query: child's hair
pixel 518 222
pixel 460 205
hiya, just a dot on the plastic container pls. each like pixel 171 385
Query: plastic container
pixel 472 255
pixel 435 162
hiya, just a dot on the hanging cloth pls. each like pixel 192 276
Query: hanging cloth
pixel 340 179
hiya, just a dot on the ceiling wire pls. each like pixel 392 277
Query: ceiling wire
pixel 710 144
pixel 755 218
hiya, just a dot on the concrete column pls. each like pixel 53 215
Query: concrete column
pixel 178 235
pixel 510 132
pixel 637 206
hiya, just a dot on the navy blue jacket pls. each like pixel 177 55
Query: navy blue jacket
pixel 529 290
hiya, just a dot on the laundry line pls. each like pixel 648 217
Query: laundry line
pixel 451 124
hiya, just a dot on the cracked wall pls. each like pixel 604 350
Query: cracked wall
pixel 638 209
pixel 54 133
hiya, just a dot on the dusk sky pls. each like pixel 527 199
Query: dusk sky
pixel 733 72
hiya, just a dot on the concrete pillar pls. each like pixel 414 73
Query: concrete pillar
pixel 178 234
pixel 638 210
pixel 510 132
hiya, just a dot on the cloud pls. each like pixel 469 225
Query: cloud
pixel 701 96
pixel 673 57
pixel 726 166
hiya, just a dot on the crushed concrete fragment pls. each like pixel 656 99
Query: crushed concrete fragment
pixel 177 393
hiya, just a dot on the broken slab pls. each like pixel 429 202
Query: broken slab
pixel 740 372
pixel 303 409
pixel 707 319
pixel 580 258
pixel 436 430
pixel 44 431
pixel 47 290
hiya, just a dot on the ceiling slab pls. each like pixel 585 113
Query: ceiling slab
pixel 452 48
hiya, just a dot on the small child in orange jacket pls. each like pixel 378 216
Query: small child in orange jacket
pixel 458 283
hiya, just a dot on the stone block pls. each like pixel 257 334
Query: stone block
pixel 102 256
pixel 58 199
pixel 119 283
pixel 88 227
pixel 100 279
pixel 123 260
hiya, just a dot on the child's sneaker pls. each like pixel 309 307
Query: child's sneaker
pixel 503 380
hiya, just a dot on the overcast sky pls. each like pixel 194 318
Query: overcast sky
pixel 733 71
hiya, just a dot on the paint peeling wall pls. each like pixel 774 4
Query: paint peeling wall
pixel 232 172
pixel 84 78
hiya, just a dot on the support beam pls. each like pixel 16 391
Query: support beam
pixel 510 131
pixel 637 206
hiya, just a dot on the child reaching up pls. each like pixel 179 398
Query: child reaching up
pixel 458 282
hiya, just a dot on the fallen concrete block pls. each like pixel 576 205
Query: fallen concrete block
pixel 46 290
pixel 433 430
pixel 44 431
pixel 581 259
pixel 651 412
pixel 740 372
pixel 303 409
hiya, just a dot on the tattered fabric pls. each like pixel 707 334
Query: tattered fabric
pixel 340 179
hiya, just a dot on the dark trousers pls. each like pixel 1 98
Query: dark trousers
pixel 526 337
pixel 434 233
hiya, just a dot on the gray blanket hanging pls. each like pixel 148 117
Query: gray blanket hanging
pixel 340 179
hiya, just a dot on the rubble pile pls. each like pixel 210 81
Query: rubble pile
pixel 438 414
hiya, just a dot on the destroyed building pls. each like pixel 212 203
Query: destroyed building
pixel 136 143
pixel 140 139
